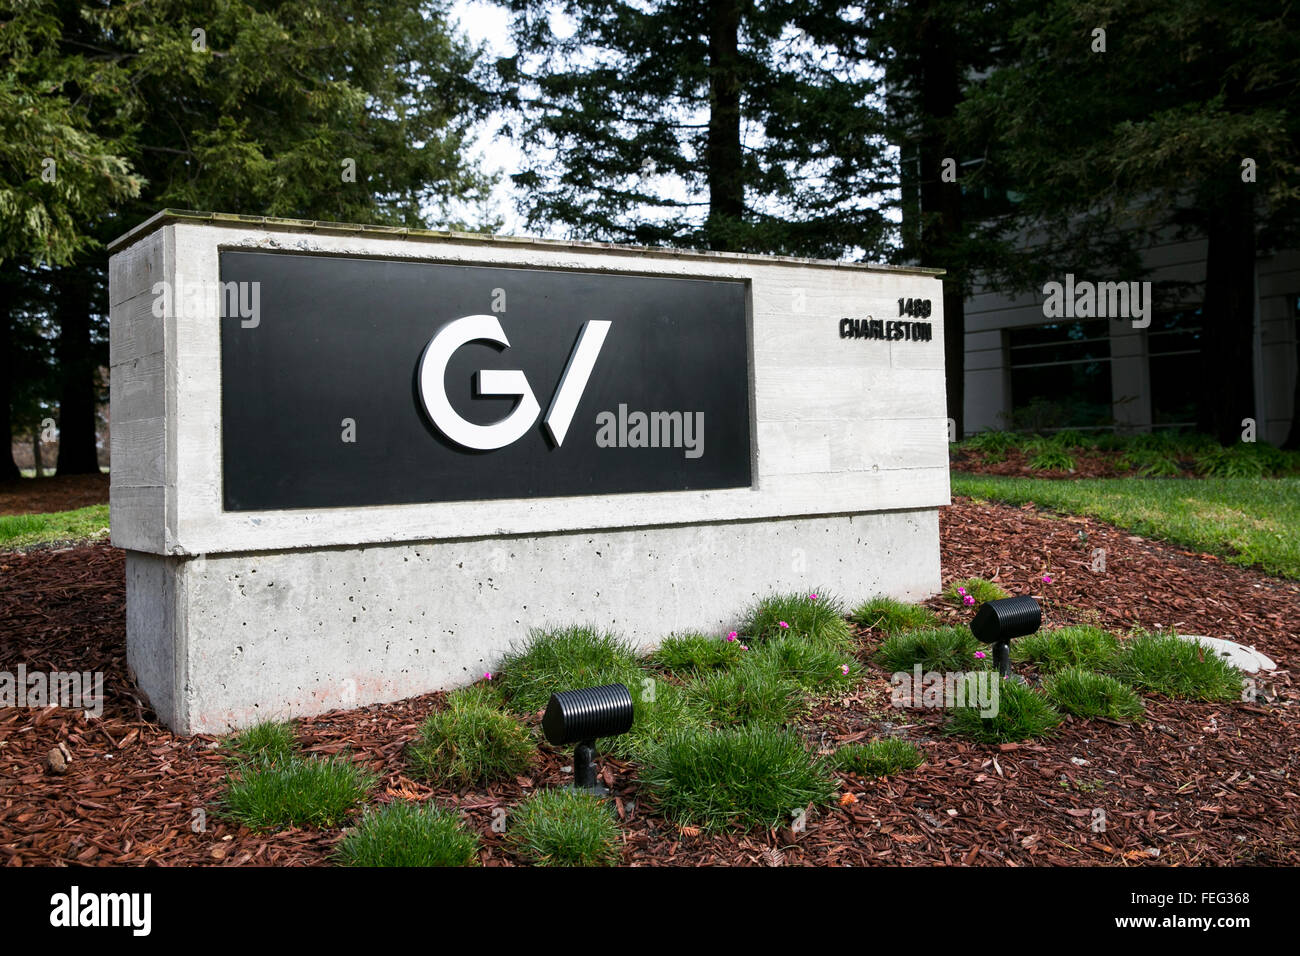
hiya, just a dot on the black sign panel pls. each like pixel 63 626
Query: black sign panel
pixel 350 382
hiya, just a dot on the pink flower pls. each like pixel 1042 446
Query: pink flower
pixel 961 590
pixel 980 655
pixel 1047 579
pixel 744 647
pixel 967 600
pixel 812 597
pixel 844 669
pixel 731 636
pixel 784 625
pixel 487 675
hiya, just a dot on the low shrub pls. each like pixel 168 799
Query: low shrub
pixel 877 758
pixel 1169 665
pixel 1080 645
pixel 409 834
pixel 751 776
pixel 1086 693
pixel 564 827
pixel 891 616
pixel 1022 714
pixel 471 741
pixel 935 649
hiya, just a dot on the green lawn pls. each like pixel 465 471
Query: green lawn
pixel 17 531
pixel 1250 521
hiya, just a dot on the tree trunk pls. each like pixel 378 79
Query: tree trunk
pixel 1228 324
pixel 724 158
pixel 78 454
pixel 8 470
pixel 941 215
pixel 36 452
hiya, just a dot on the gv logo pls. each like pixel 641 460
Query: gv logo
pixel 490 381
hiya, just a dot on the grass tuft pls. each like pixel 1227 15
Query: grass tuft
pixel 659 708
pixel 470 741
pixel 270 740
pixel 978 588
pixel 891 616
pixel 878 758
pixel 1238 461
pixel 408 834
pixel 1174 667
pixel 564 827
pixel 1022 714
pixel 297 791
pixel 748 693
pixel 819 619
pixel 1051 459
pixel 753 776
pixel 935 649
pixel 998 442
pixel 1086 693
pixel 1082 646
pixel 812 666
pixel 688 654
pixel 1153 462
pixel 552 661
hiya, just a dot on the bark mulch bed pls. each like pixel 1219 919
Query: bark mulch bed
pixel 1087 464
pixel 56 493
pixel 1196 783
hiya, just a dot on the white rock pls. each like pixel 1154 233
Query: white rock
pixel 1246 659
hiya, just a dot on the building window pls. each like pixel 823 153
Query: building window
pixel 1174 347
pixel 1060 375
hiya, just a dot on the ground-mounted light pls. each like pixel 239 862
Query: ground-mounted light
pixel 580 716
pixel 998 622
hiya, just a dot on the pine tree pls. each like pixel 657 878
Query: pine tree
pixel 316 109
pixel 721 124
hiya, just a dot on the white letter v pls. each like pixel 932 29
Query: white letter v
pixel 574 380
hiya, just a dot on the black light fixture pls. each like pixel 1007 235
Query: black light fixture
pixel 997 622
pixel 580 716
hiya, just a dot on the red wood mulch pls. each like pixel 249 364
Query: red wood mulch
pixel 56 493
pixel 1196 783
pixel 1088 463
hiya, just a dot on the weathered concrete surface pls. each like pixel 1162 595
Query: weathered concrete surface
pixel 236 616
pixel 226 640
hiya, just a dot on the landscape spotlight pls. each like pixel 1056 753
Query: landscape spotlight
pixel 997 622
pixel 580 716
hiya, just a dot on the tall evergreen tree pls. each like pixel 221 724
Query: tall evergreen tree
pixel 722 124
pixel 1120 119
pixel 60 168
pixel 931 51
pixel 319 109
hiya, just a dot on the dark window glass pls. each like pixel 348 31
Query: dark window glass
pixel 1060 375
pixel 1174 344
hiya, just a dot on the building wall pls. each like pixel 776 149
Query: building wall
pixel 990 315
